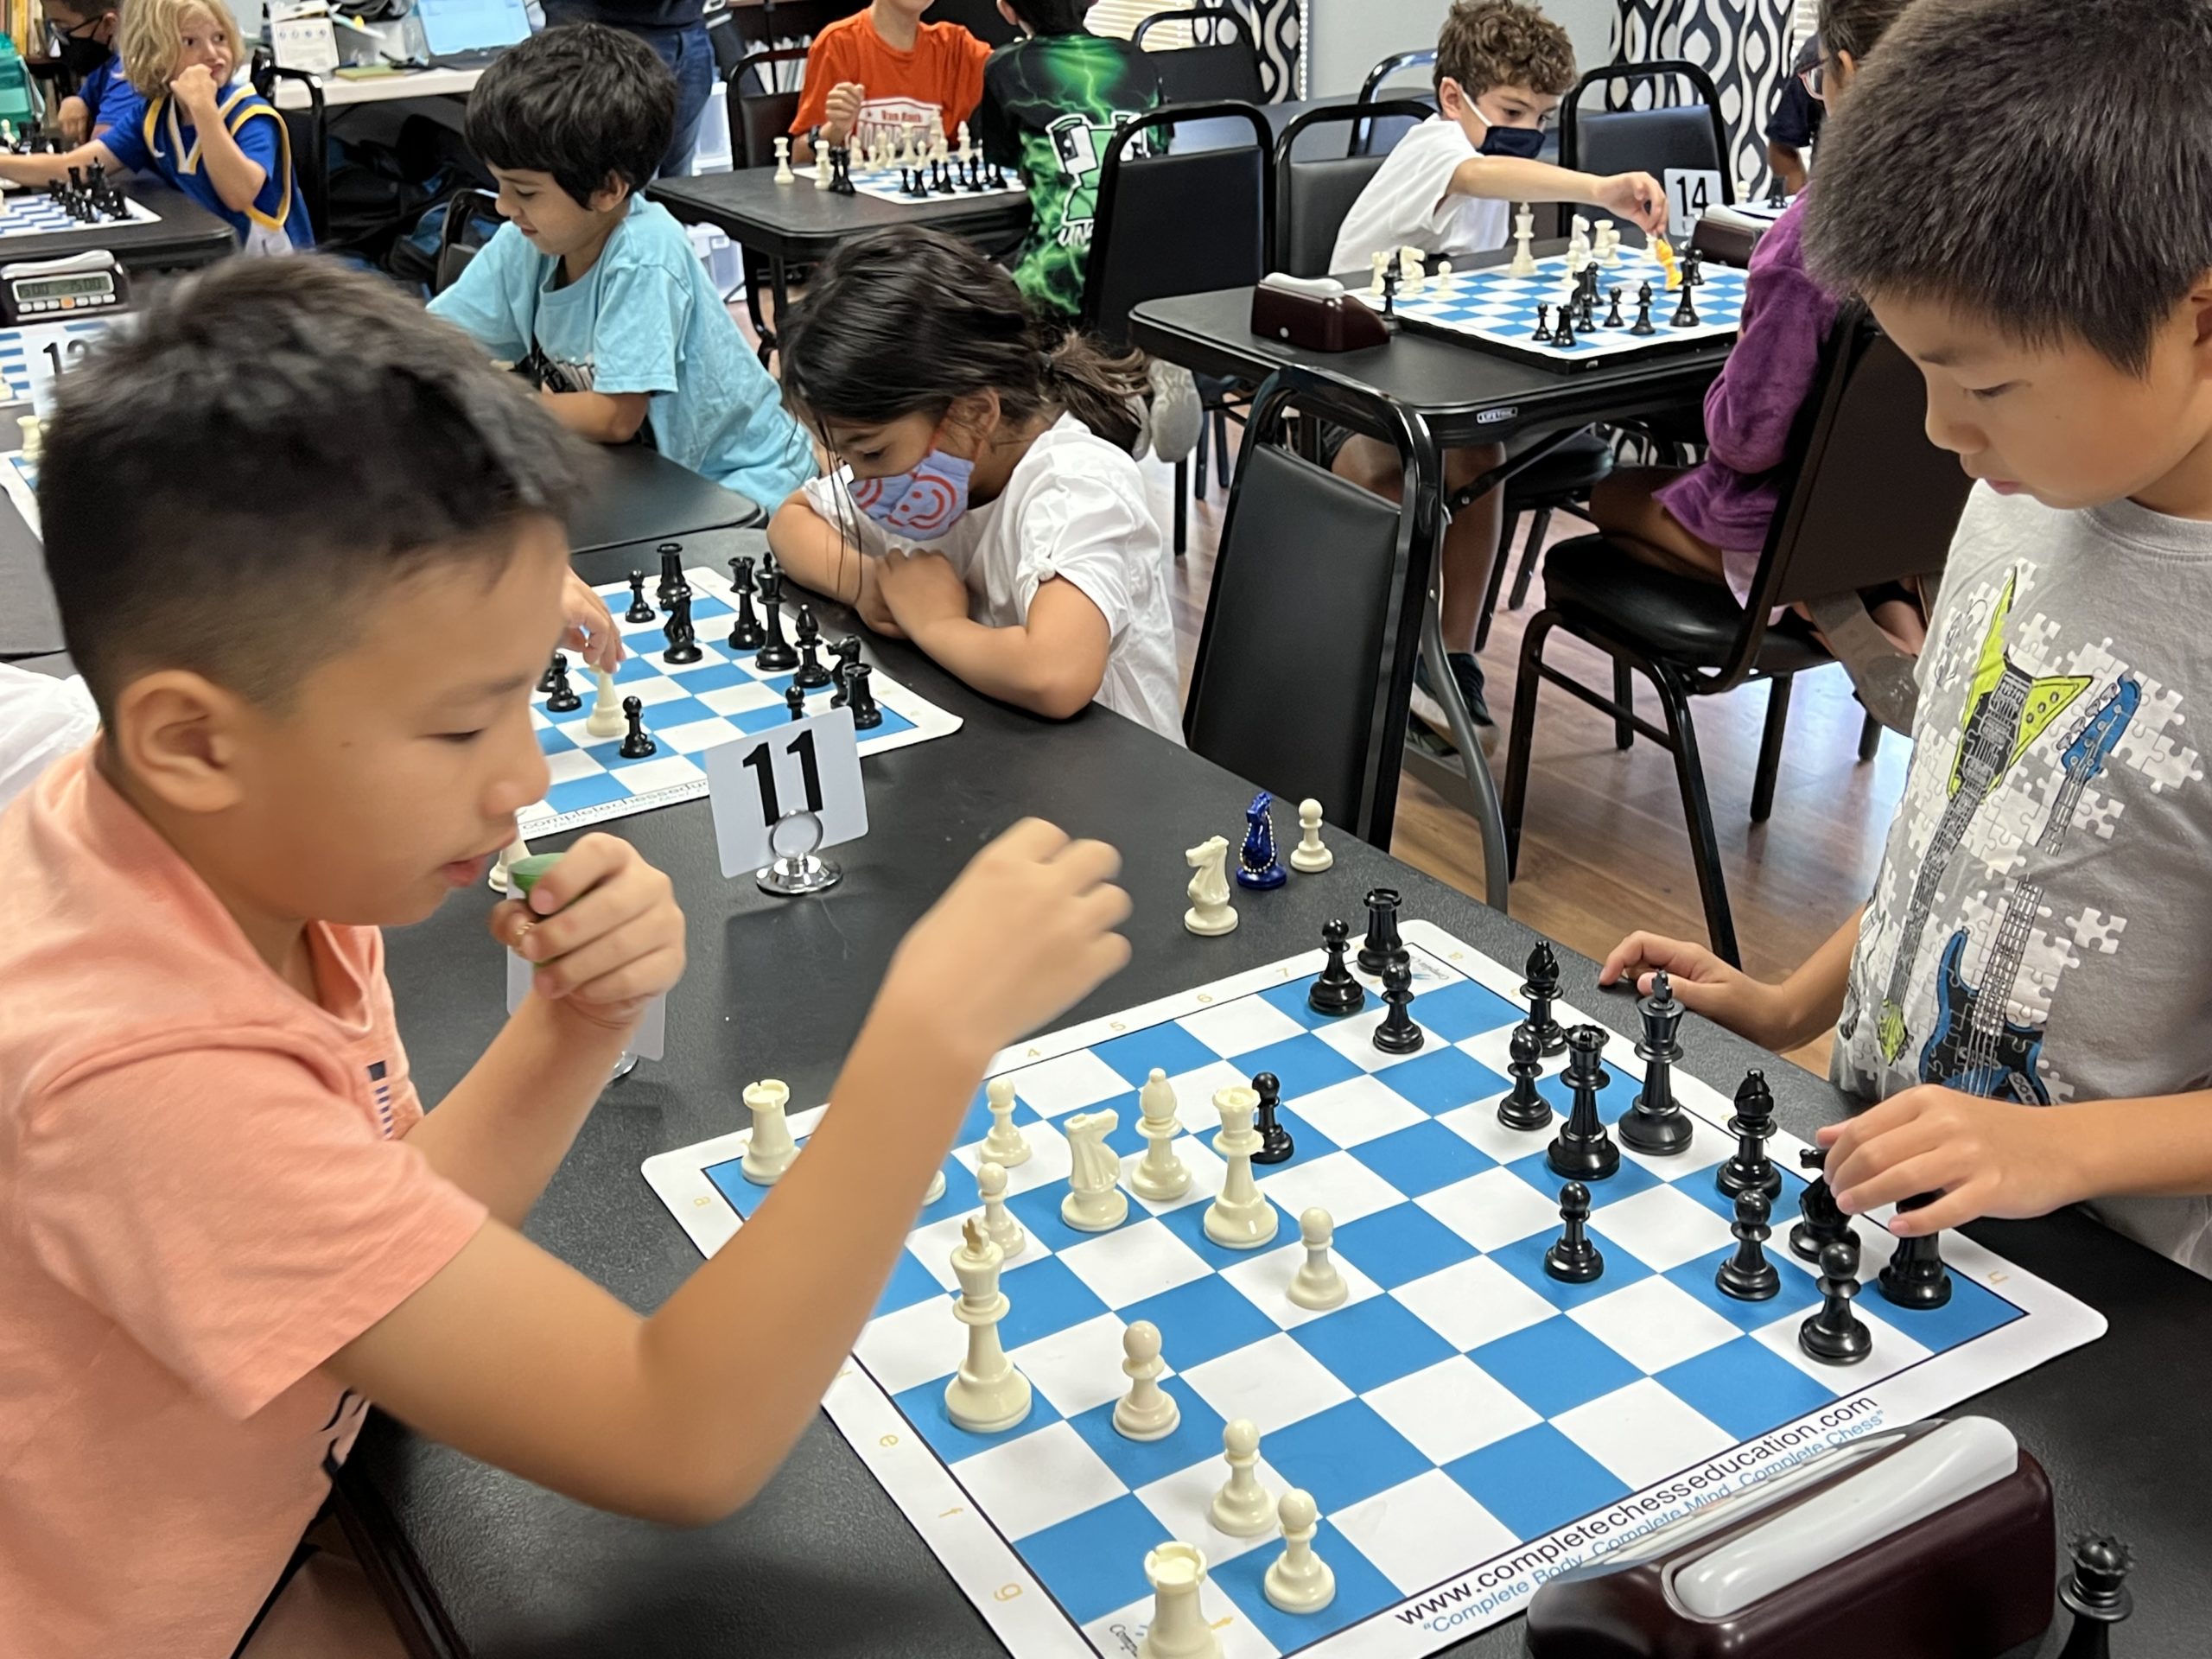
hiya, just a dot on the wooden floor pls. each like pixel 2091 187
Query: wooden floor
pixel 1604 850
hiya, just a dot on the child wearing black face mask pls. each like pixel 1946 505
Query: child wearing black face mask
pixel 1448 189
pixel 84 44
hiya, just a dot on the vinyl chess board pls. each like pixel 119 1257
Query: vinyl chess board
pixel 1491 307
pixel 688 710
pixel 1467 1424
pixel 33 213
pixel 882 183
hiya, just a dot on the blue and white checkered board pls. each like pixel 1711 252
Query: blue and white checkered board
pixel 1489 305
pixel 33 213
pixel 1467 1424
pixel 882 183
pixel 688 710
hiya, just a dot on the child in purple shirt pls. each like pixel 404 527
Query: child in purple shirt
pixel 1712 521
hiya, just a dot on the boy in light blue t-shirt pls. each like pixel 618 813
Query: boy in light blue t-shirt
pixel 594 291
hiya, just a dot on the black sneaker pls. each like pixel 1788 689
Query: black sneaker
pixel 1468 673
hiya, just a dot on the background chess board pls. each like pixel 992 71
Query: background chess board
pixel 1467 1424
pixel 688 709
pixel 882 183
pixel 1491 308
pixel 33 213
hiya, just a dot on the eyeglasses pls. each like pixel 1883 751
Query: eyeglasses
pixel 83 31
pixel 1815 78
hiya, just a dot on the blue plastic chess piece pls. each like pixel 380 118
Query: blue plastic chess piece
pixel 1256 864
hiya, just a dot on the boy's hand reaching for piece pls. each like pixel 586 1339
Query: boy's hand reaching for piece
pixel 1984 1157
pixel 1704 985
pixel 591 628
pixel 1637 198
pixel 1025 932
pixel 603 929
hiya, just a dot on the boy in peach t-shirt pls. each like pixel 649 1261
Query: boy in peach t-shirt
pixel 309 554
pixel 884 70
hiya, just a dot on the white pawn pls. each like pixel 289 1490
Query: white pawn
pixel 606 717
pixel 1317 1284
pixel 1159 1175
pixel 1211 915
pixel 1298 1580
pixel 1443 269
pixel 1310 857
pixel 1377 263
pixel 496 880
pixel 783 173
pixel 1178 1628
pixel 1242 1508
pixel 770 1152
pixel 32 442
pixel 1005 1145
pixel 999 1224
pixel 1147 1412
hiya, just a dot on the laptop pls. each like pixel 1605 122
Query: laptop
pixel 469 33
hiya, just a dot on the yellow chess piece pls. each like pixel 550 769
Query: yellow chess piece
pixel 1663 252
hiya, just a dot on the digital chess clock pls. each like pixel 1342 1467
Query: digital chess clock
pixel 50 289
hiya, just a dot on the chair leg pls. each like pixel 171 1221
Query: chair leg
pixel 1221 446
pixel 1534 550
pixel 1870 738
pixel 1182 507
pixel 1496 579
pixel 1625 695
pixel 1523 734
pixel 1198 456
pixel 1697 814
pixel 1777 718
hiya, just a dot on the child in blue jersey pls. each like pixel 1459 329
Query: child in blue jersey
pixel 84 33
pixel 224 146
pixel 594 291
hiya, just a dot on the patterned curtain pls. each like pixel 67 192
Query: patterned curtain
pixel 1745 45
pixel 1278 27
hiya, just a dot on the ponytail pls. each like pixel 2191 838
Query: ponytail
pixel 1095 386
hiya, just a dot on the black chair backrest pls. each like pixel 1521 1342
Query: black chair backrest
pixel 980 18
pixel 1306 659
pixel 728 43
pixel 1689 135
pixel 1377 138
pixel 1313 198
pixel 1221 62
pixel 758 114
pixel 1170 225
pixel 307 131
pixel 465 210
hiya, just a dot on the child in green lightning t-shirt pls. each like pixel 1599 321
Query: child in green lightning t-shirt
pixel 1051 102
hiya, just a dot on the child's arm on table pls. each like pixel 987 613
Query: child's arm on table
pixel 602 417
pixel 1773 1016
pixel 1052 664
pixel 1636 197
pixel 818 554
pixel 52 168
pixel 683 1415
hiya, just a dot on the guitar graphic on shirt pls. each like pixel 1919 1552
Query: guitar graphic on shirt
pixel 2008 709
pixel 1974 1048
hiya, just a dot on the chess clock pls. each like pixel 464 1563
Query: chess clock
pixel 50 290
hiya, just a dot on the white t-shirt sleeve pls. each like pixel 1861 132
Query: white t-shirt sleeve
pixel 1405 204
pixel 1080 529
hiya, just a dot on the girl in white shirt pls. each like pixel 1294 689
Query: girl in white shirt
pixel 983 502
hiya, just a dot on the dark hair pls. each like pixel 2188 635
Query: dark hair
pixel 1486 43
pixel 1052 16
pixel 2039 163
pixel 276 441
pixel 579 102
pixel 907 320
pixel 1854 26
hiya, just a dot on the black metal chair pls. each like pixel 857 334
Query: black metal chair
pixel 1305 660
pixel 761 112
pixel 1312 197
pixel 1865 499
pixel 1690 135
pixel 466 209
pixel 1210 68
pixel 1378 138
pixel 308 133
pixel 1180 224
pixel 1560 481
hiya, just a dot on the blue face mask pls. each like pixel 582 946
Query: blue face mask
pixel 1522 143
pixel 926 502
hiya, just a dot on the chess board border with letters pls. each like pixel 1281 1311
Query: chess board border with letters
pixel 1440 307
pixel 1033 1621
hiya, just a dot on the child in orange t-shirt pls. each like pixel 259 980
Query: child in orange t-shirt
pixel 885 69
pixel 308 551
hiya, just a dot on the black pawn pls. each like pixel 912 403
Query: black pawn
pixel 795 700
pixel 1524 1109
pixel 682 639
pixel 1613 318
pixel 776 654
pixel 564 700
pixel 1753 1123
pixel 671 573
pixel 1275 1144
pixel 636 746
pixel 1539 986
pixel 1382 943
pixel 1398 1034
pixel 747 634
pixel 1643 325
pixel 812 670
pixel 1748 1275
pixel 1582 1150
pixel 551 676
pixel 1543 334
pixel 865 716
pixel 1575 1258
pixel 1834 1335
pixel 1823 1224
pixel 1655 1124
pixel 1686 313
pixel 1915 1275
pixel 639 610
pixel 2096 1593
pixel 1336 993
